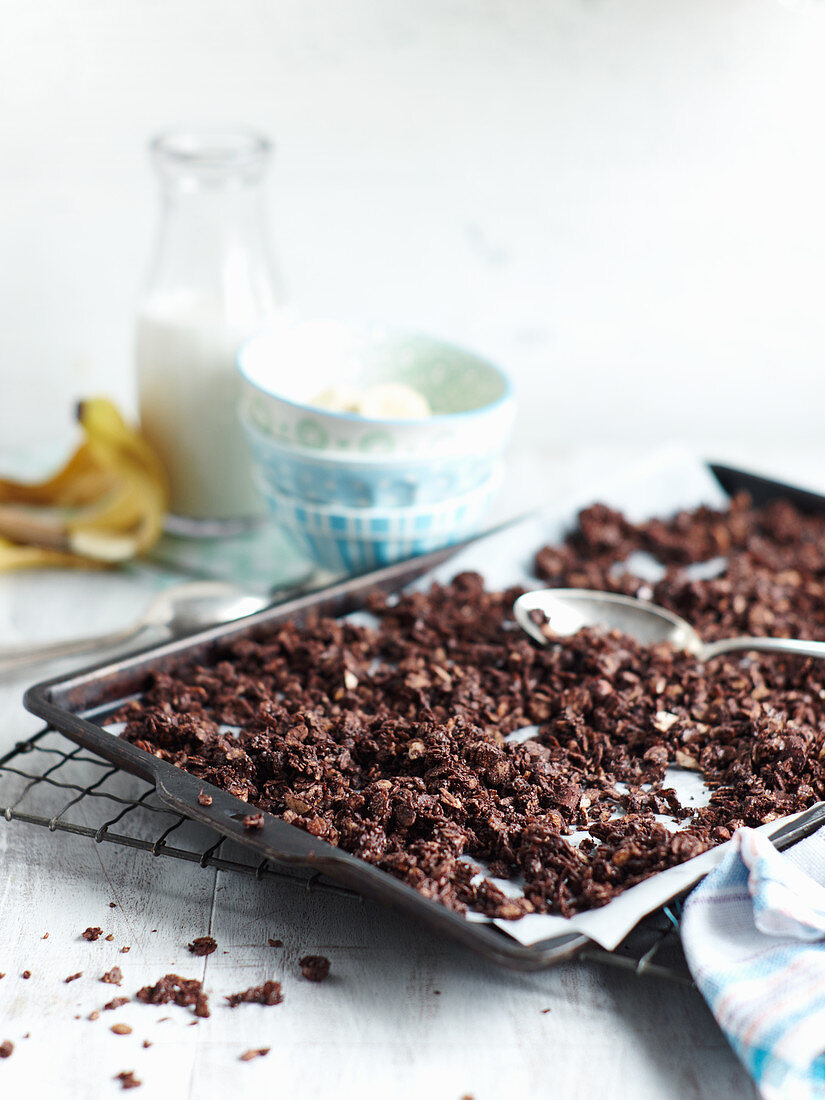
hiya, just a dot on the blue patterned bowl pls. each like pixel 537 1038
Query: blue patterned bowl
pixel 364 481
pixel 353 540
pixel 283 369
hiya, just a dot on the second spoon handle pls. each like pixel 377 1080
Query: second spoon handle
pixel 17 656
pixel 763 645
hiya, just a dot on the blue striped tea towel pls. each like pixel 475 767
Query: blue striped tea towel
pixel 754 938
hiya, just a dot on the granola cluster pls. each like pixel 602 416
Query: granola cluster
pixel 391 741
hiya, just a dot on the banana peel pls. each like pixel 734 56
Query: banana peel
pixel 81 481
pixel 13 556
pixel 105 506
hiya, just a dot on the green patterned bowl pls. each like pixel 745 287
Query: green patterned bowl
pixel 284 368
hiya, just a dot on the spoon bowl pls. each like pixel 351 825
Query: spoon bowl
pixel 567 610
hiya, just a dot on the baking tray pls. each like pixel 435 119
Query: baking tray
pixel 78 704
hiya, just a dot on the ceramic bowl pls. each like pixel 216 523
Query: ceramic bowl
pixel 353 540
pixel 368 481
pixel 283 369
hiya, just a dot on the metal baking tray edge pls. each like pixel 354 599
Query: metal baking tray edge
pixel 67 701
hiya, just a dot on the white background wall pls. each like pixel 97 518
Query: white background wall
pixel 619 200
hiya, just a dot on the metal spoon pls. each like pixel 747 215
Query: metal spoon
pixel 181 609
pixel 569 609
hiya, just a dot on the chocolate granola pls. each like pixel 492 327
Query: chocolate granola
pixel 203 945
pixel 315 968
pixel 390 741
pixel 267 994
pixel 182 991
pixel 248 1055
pixel 128 1080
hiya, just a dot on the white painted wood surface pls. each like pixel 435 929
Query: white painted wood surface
pixel 376 1028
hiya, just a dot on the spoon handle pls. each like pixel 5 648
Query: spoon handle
pixel 18 656
pixel 763 645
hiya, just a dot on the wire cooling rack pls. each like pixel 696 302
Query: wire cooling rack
pixel 49 782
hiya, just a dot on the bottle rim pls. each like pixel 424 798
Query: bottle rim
pixel 209 149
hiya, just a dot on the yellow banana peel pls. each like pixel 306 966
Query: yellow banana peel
pixel 105 506
pixel 81 481
pixel 13 556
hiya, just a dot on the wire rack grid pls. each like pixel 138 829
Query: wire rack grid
pixel 47 781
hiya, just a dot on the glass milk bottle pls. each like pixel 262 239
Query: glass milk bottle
pixel 211 285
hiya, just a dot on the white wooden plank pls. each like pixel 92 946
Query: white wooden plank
pixel 376 1027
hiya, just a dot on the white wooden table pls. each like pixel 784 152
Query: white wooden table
pixel 402 1014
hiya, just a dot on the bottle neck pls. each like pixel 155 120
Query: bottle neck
pixel 212 255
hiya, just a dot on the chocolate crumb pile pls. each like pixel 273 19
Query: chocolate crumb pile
pixel 315 968
pixel 390 741
pixel 203 945
pixel 128 1080
pixel 181 991
pixel 267 994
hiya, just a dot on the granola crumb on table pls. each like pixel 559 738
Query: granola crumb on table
pixel 203 945
pixel 267 994
pixel 128 1080
pixel 186 992
pixel 315 968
